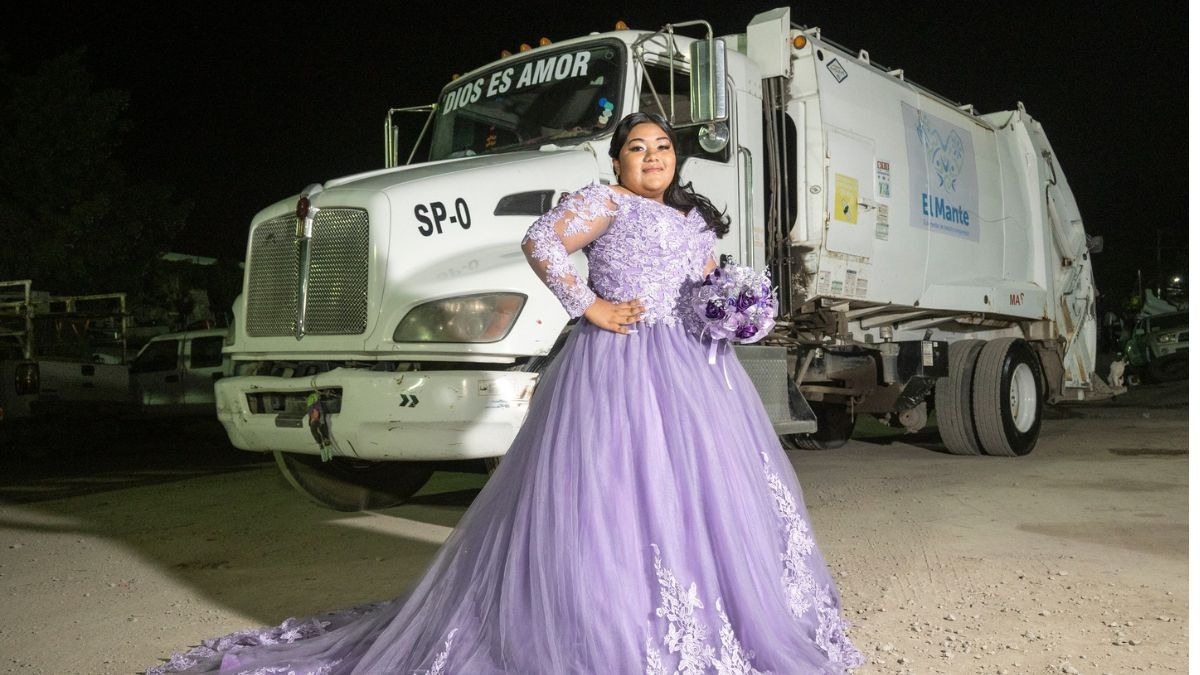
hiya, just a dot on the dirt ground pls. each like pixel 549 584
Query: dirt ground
pixel 1073 559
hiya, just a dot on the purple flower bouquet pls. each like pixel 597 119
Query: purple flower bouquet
pixel 735 303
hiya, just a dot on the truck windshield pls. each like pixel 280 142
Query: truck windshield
pixel 564 96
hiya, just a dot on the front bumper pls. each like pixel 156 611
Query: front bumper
pixel 381 416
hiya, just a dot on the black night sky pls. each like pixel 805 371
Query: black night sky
pixel 240 104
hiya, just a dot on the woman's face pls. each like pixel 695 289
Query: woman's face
pixel 646 163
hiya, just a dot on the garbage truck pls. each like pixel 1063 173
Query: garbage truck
pixel 929 260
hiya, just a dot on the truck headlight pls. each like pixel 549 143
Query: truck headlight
pixel 1168 338
pixel 484 317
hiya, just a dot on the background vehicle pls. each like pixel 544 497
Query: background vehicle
pixel 1157 348
pixel 927 256
pixel 60 353
pixel 62 360
pixel 174 373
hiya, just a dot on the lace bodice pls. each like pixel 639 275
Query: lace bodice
pixel 636 248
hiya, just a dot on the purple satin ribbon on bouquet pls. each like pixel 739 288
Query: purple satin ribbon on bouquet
pixel 713 347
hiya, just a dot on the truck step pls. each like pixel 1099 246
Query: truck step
pixel 767 367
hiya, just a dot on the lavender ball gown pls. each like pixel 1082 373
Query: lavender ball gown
pixel 645 519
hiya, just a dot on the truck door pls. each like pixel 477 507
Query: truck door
pixel 851 189
pixel 204 367
pixel 155 376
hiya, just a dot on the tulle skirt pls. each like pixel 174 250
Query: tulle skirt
pixel 645 520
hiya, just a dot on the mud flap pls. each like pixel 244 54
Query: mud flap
pixel 768 369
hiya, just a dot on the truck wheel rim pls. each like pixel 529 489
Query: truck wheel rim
pixel 1022 398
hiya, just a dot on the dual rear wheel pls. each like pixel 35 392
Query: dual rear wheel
pixel 991 402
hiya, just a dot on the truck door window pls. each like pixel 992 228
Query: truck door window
pixel 206 351
pixel 157 357
pixel 560 96
pixel 657 99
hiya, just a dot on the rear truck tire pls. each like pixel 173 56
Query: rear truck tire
pixel 1168 368
pixel 834 425
pixel 952 399
pixel 1008 397
pixel 345 484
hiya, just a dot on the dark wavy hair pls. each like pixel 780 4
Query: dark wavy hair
pixel 677 195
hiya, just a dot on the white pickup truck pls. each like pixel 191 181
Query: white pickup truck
pixel 62 363
pixel 174 373
pixel 61 357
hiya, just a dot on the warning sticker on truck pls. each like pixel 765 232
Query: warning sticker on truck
pixel 837 70
pixel 824 282
pixel 883 180
pixel 845 199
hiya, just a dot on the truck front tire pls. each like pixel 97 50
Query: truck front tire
pixel 352 485
pixel 1007 397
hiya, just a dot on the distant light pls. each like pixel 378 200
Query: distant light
pixel 1176 280
pixel 621 25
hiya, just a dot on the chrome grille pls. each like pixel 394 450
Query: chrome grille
pixel 337 285
pixel 274 278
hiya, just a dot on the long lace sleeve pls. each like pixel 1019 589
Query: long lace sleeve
pixel 577 220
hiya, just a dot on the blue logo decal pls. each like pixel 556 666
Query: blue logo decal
pixel 945 156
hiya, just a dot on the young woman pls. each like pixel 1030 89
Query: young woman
pixel 645 519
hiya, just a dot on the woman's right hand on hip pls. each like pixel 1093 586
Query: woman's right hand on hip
pixel 615 317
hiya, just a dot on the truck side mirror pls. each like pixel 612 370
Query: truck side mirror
pixel 707 84
pixel 708 81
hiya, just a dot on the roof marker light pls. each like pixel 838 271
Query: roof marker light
pixel 621 25
pixel 525 47
pixel 542 42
